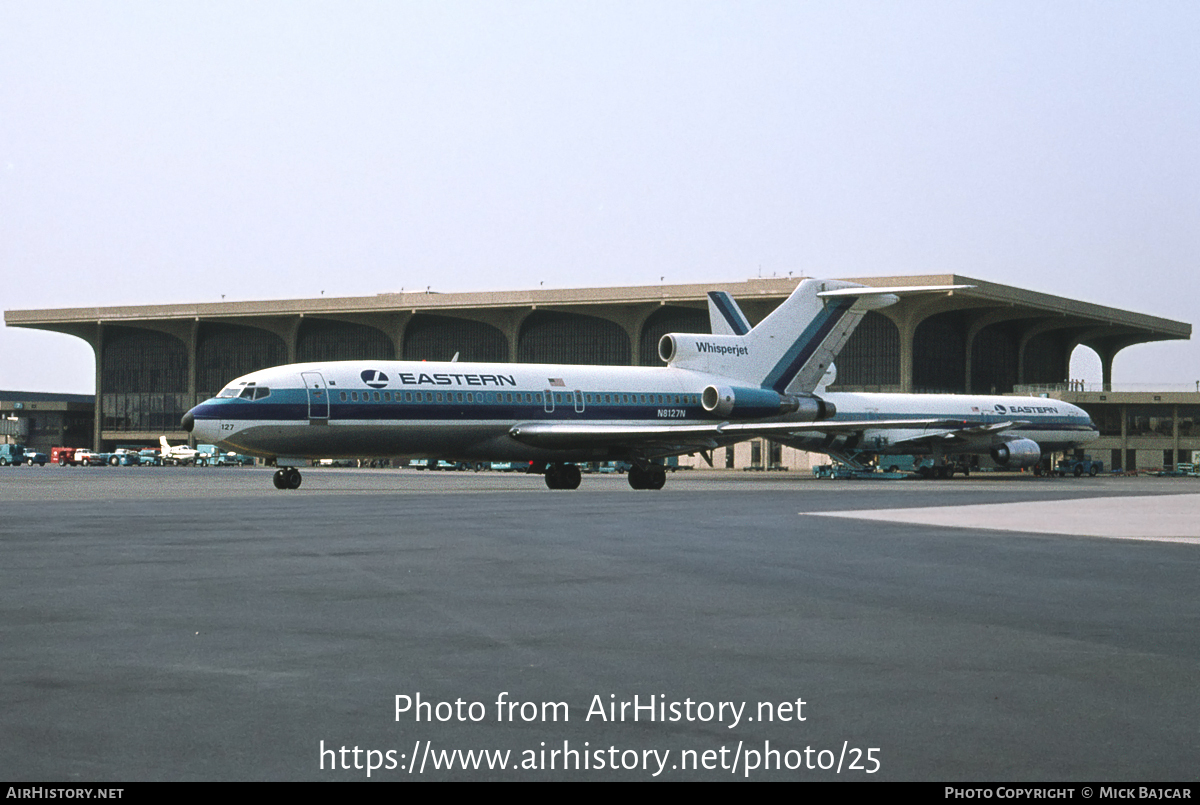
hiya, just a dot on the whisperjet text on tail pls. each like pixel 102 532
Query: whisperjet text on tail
pixel 1017 432
pixel 716 390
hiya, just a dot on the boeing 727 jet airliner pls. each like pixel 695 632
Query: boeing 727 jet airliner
pixel 736 384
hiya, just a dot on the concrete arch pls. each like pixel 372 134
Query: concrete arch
pixel 910 315
pixel 1081 362
pixel 939 353
pixel 1046 345
pixel 146 377
pixel 225 351
pixel 1004 330
pixel 993 357
pixel 1106 343
pixel 432 337
pixel 140 359
pixel 871 358
pixel 333 340
pixel 557 337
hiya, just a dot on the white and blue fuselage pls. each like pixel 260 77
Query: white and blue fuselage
pixel 966 424
pixel 442 410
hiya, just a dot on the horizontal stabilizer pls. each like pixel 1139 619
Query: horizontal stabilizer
pixel 790 350
pixel 904 290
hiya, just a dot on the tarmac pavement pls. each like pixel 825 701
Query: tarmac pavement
pixel 197 624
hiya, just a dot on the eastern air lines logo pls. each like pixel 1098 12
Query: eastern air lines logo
pixel 374 378
pixel 1000 409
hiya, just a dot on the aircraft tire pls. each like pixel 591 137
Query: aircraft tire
pixel 563 476
pixel 293 478
pixel 280 479
pixel 637 477
pixel 657 477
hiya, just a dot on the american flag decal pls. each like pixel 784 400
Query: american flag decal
pixel 557 382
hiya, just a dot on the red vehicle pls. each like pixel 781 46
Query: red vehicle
pixel 62 456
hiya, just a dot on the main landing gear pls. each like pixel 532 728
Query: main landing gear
pixel 648 476
pixel 645 476
pixel 563 476
pixel 287 478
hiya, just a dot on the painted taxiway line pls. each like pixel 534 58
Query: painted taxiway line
pixel 1160 518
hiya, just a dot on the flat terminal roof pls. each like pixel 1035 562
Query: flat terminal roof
pixel 989 293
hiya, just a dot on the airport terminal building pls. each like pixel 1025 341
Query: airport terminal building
pixel 154 362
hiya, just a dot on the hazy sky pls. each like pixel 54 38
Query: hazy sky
pixel 174 152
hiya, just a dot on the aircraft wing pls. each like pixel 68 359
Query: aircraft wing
pixel 563 436
pixel 752 429
pixel 961 434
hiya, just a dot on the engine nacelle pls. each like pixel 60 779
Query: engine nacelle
pixel 748 403
pixel 1017 453
pixel 724 355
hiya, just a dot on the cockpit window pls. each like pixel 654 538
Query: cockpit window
pixel 247 391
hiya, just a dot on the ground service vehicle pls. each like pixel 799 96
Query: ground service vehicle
pixel 1079 467
pixel 13 454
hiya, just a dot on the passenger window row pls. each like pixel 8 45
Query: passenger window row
pixel 560 398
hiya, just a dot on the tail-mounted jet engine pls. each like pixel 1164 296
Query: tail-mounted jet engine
pixel 748 403
pixel 1017 453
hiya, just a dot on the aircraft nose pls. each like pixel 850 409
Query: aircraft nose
pixel 188 421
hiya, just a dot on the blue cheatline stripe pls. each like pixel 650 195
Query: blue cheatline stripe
pixel 275 409
pixel 732 315
pixel 813 336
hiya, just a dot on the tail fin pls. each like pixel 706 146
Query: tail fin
pixel 724 315
pixel 791 349
pixel 162 440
